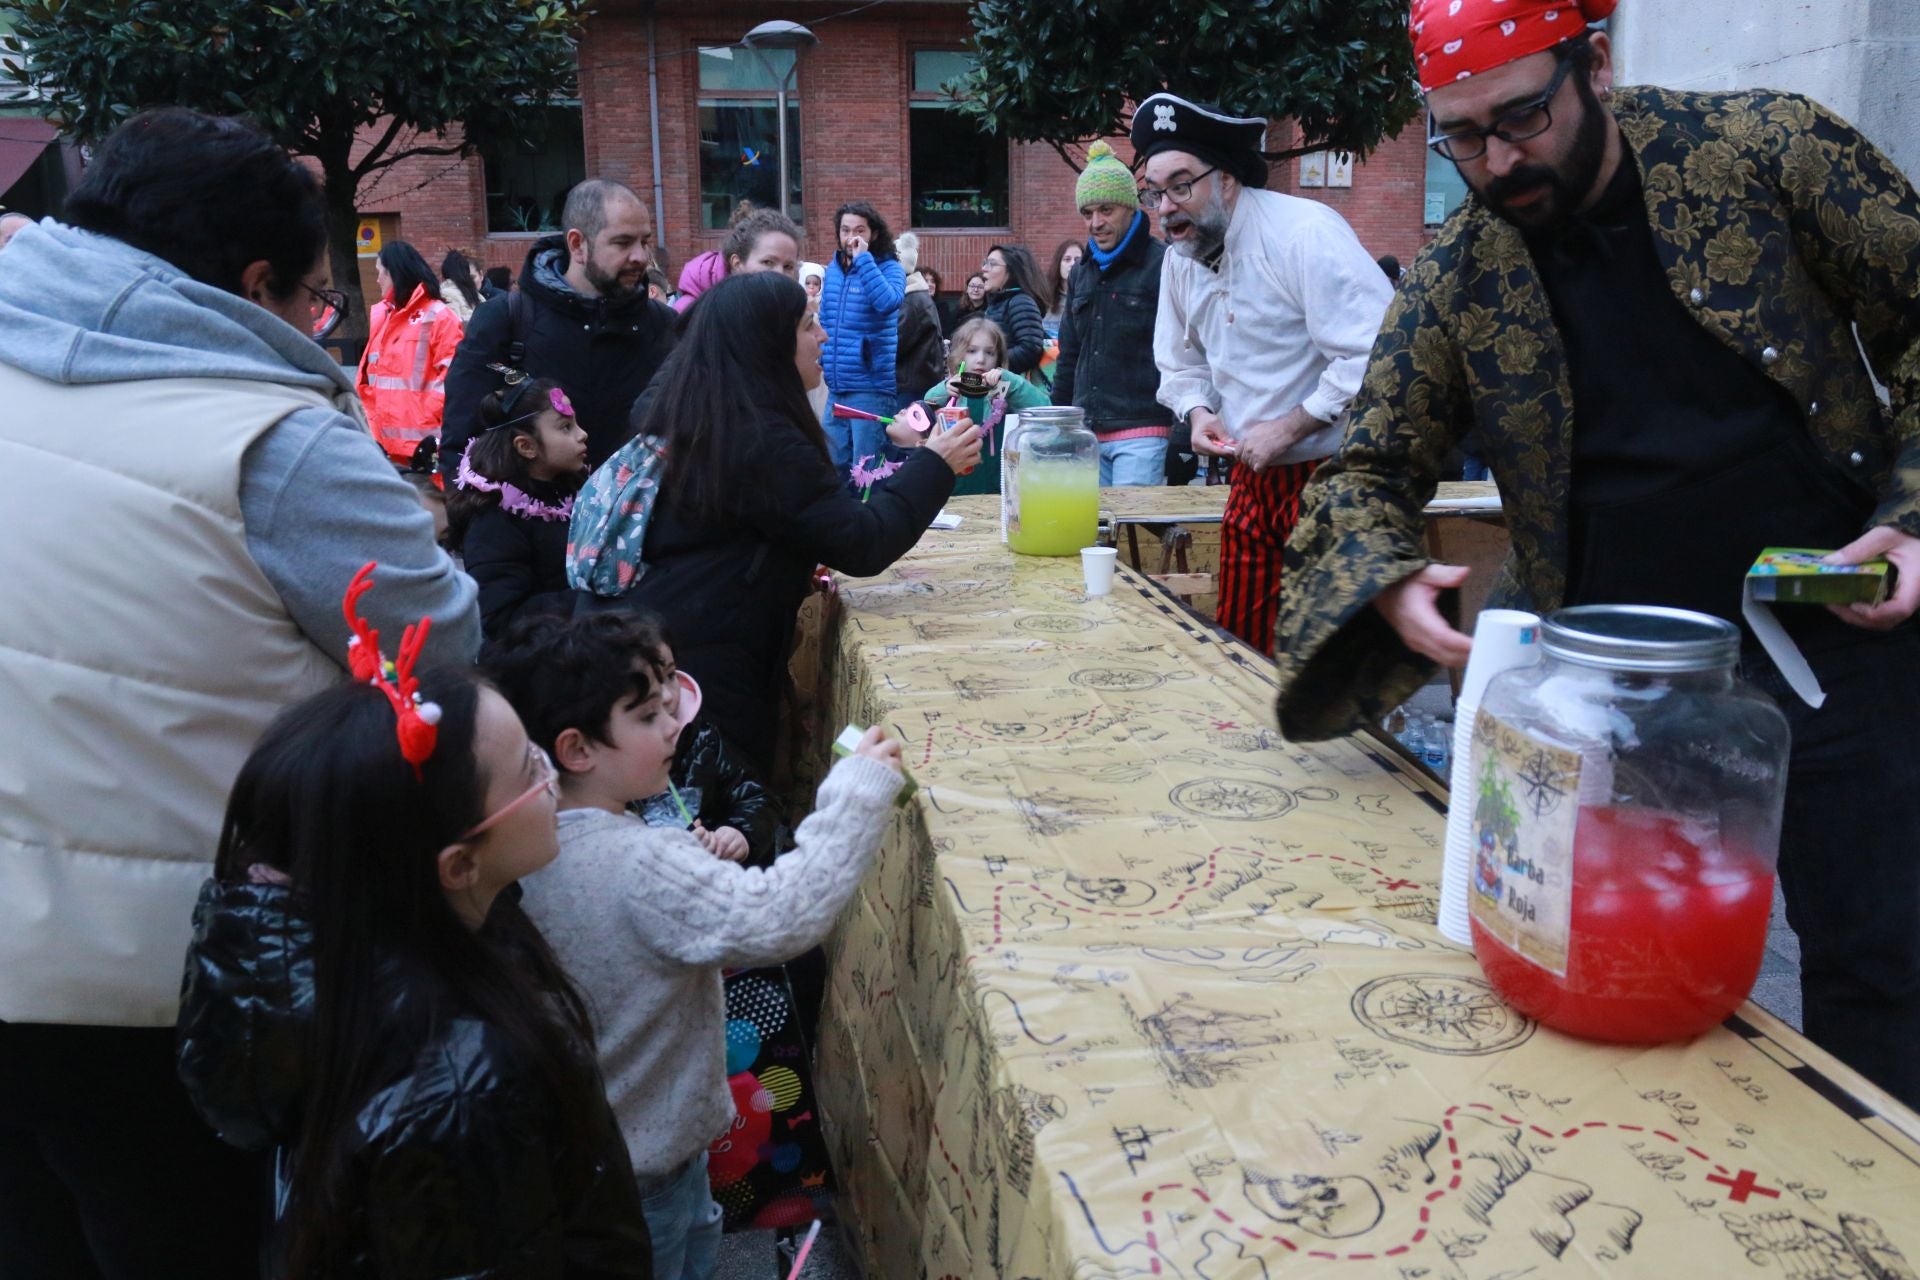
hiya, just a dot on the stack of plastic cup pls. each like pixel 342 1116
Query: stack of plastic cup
pixel 1502 640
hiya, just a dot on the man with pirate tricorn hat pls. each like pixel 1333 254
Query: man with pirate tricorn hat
pixel 1268 307
pixel 1651 319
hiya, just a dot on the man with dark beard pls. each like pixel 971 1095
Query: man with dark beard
pixel 581 317
pixel 1651 317
pixel 1268 306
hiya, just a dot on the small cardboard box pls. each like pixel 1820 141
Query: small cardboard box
pixel 1794 575
pixel 850 738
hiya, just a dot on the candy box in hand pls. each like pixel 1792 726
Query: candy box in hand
pixel 1795 575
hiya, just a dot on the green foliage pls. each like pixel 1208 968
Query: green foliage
pixel 1070 69
pixel 314 72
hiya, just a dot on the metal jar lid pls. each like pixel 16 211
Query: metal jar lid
pixel 1639 637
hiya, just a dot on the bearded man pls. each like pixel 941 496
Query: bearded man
pixel 1652 315
pixel 582 316
pixel 1268 307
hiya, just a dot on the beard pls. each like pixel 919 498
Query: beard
pixel 612 285
pixel 1565 185
pixel 1209 227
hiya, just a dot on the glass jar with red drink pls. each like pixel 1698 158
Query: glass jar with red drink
pixel 1626 821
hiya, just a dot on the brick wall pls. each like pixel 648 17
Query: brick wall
pixel 853 88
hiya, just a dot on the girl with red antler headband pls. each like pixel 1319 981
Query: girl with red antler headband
pixel 364 997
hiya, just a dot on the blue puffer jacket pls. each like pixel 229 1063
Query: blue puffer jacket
pixel 860 310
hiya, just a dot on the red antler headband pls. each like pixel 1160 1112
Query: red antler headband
pixel 417 722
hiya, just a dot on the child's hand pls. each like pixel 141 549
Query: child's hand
pixel 878 746
pixel 991 377
pixel 708 840
pixel 953 386
pixel 728 843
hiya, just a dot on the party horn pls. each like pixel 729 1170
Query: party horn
pixel 848 411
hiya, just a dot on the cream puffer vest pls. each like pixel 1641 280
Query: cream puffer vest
pixel 142 652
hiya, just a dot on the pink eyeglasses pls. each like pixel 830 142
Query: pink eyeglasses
pixel 549 783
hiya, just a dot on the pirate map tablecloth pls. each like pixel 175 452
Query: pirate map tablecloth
pixel 1138 989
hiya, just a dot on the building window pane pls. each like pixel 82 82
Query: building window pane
pixel 1446 189
pixel 740 135
pixel 740 158
pixel 959 170
pixel 527 185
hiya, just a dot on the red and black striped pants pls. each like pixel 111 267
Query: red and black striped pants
pixel 1261 512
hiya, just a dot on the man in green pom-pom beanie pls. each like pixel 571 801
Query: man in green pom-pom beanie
pixel 1106 366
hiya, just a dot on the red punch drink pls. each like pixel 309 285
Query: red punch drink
pixel 1669 926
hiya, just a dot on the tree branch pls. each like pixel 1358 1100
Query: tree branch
pixel 1061 148
pixel 378 149
pixel 452 149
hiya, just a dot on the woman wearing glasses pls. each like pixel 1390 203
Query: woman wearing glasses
pixel 189 488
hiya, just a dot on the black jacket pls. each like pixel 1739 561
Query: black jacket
pixel 520 564
pixel 920 360
pixel 730 796
pixel 1019 318
pixel 1106 366
pixel 453 1162
pixel 729 592
pixel 601 352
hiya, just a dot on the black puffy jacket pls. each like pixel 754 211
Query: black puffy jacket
pixel 1018 316
pixel 1106 363
pixel 729 794
pixel 602 352
pixel 453 1157
pixel 519 562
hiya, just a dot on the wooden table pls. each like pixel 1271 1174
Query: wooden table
pixel 1138 989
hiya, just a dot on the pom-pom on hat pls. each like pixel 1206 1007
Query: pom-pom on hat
pixel 1455 39
pixel 1105 180
pixel 1168 122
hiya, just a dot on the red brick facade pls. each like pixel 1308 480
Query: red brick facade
pixel 853 89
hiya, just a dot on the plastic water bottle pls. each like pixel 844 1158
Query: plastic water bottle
pixel 1437 744
pixel 1414 739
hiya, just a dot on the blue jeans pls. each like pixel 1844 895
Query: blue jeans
pixel 1133 462
pixel 1471 468
pixel 851 439
pixel 685 1225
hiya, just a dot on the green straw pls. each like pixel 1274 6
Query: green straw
pixel 682 803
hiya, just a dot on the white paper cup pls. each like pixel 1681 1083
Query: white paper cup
pixel 1097 563
pixel 1502 639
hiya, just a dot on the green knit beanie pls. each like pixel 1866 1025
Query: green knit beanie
pixel 1105 180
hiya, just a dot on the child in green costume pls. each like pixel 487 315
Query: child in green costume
pixel 981 347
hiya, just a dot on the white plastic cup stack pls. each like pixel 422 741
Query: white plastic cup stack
pixel 1097 563
pixel 1502 640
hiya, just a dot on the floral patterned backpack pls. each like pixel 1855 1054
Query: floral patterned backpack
pixel 610 515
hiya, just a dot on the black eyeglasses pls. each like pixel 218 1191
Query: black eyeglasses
pixel 1150 197
pixel 1523 122
pixel 329 308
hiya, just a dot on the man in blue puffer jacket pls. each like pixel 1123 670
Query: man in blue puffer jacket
pixel 860 310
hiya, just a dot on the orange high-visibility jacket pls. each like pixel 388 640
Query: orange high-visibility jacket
pixel 403 375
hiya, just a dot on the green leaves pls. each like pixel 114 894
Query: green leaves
pixel 1342 70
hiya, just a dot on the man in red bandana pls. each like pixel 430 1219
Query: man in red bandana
pixel 1656 320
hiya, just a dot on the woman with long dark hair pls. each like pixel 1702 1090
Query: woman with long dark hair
pixel 860 308
pixel 411 338
pixel 1066 256
pixel 364 995
pixel 750 501
pixel 1016 300
pixel 459 285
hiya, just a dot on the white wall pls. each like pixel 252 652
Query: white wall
pixel 1859 57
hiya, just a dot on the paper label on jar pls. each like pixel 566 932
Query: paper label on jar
pixel 1526 804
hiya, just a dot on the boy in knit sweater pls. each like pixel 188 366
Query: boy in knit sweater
pixel 645 918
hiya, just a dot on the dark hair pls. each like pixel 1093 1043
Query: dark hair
pixel 880 243
pixel 409 271
pixel 1577 49
pixel 456 268
pixel 504 416
pixel 732 367
pixel 570 673
pixel 932 277
pixel 746 233
pixel 1023 273
pixel 327 799
pixel 500 277
pixel 210 194
pixel 1056 282
pixel 1389 265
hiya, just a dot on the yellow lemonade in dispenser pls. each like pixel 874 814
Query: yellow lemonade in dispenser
pixel 1058 506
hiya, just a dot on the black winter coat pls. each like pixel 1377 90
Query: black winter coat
pixel 519 563
pixel 453 1158
pixel 1106 363
pixel 921 358
pixel 729 592
pixel 729 794
pixel 1019 318
pixel 602 353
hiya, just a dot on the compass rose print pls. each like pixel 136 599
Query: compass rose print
pixel 1543 784
pixel 1441 1013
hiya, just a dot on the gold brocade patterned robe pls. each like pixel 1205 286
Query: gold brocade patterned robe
pixel 1782 230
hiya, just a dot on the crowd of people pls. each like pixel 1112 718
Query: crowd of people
pixel 379 694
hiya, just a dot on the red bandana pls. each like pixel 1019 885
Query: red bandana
pixel 1454 39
